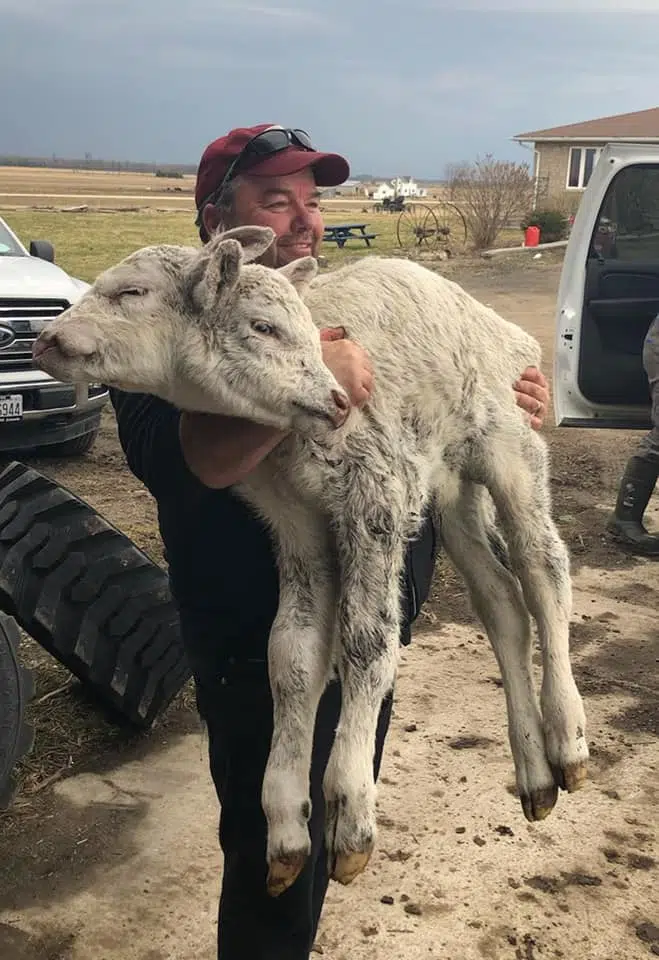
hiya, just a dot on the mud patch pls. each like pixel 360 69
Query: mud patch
pixel 554 885
pixel 71 839
pixel 583 632
pixel 16 944
pixel 469 742
pixel 626 665
pixel 637 593
pixel 638 861
pixel 647 932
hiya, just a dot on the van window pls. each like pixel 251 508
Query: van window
pixel 628 224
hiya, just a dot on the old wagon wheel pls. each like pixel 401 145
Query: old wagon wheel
pixel 417 227
pixel 452 225
pixel 437 229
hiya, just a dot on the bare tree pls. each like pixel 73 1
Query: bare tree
pixel 490 193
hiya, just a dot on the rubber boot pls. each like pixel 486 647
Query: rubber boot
pixel 626 523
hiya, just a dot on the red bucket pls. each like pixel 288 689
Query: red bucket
pixel 532 236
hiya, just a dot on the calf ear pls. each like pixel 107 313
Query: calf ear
pixel 300 272
pixel 254 240
pixel 214 272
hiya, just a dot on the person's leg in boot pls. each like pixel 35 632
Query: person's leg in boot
pixel 626 524
pixel 639 479
pixel 251 924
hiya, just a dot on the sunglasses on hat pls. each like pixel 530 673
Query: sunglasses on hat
pixel 263 144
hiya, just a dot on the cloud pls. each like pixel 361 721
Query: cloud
pixel 552 7
pixel 127 14
pixel 452 79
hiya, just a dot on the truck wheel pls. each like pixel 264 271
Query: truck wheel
pixel 16 688
pixel 71 448
pixel 89 596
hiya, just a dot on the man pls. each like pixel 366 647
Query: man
pixel 640 476
pixel 221 567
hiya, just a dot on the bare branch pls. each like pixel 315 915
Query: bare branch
pixel 490 193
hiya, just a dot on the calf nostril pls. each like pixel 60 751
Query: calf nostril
pixel 340 400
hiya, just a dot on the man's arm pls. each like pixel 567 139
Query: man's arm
pixel 165 447
pixel 221 451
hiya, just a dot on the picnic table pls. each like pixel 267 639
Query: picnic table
pixel 339 233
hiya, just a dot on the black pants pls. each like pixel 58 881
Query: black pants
pixel 649 445
pixel 251 924
pixel 234 700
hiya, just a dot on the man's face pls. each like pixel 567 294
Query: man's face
pixel 288 205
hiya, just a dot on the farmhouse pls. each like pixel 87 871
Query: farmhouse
pixel 399 188
pixel 566 156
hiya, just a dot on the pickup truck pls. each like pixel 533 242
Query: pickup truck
pixel 36 412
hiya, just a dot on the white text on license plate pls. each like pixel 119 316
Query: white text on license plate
pixel 11 407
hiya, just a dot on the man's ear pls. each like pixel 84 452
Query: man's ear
pixel 300 272
pixel 254 240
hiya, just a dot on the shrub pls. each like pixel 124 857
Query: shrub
pixel 491 193
pixel 553 224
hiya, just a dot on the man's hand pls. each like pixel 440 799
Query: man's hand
pixel 349 363
pixel 532 395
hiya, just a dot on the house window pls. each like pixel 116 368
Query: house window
pixel 581 165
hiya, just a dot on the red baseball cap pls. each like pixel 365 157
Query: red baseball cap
pixel 330 169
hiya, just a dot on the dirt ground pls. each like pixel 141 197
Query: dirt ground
pixel 110 853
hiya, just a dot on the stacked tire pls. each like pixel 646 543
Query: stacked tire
pixel 89 596
pixel 16 688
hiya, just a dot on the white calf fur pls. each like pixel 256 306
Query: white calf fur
pixel 208 330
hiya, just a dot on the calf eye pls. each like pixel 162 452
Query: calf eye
pixel 260 326
pixel 133 292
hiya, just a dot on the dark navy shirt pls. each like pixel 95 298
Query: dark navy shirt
pixel 221 563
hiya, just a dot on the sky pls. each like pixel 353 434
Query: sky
pixel 400 87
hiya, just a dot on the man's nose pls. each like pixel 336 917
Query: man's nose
pixel 302 218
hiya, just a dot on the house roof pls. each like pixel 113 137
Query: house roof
pixel 641 125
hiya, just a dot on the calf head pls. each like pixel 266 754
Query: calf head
pixel 205 329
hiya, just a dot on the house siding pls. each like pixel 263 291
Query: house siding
pixel 553 167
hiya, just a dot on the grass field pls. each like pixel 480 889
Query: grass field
pixel 126 211
pixel 86 243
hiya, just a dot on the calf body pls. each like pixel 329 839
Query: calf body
pixel 346 489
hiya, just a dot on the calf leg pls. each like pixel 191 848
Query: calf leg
pixel 519 483
pixel 370 540
pixel 468 535
pixel 299 654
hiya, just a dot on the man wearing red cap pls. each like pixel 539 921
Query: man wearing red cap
pixel 221 566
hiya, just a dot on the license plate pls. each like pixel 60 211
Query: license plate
pixel 11 407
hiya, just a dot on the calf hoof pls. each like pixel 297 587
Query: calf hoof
pixel 539 803
pixel 572 777
pixel 347 866
pixel 284 871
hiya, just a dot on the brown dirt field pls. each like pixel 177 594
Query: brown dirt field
pixel 40 186
pixel 109 852
pixel 51 181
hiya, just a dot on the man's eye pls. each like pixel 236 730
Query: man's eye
pixel 260 326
